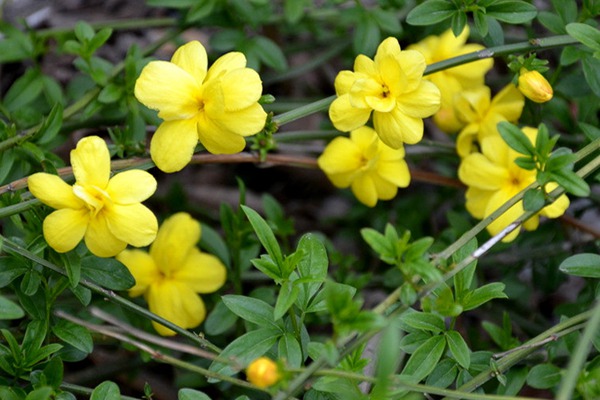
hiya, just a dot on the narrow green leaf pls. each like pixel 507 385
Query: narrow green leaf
pixel 584 264
pixel 423 321
pixel 250 309
pixel 591 66
pixel 106 390
pixel 200 10
pixel 380 244
pixel 51 125
pixel 511 11
pixel 464 279
pixel 265 235
pixel 270 53
pixel 75 335
pixel 220 319
pixel 191 394
pixel 287 296
pixel 544 376
pixel 107 272
pixel 444 374
pixel 484 294
pixel 515 138
pixel 431 12
pixel 366 36
pixel 42 393
pixel 425 358
pixel 24 90
pixel 458 22
pixel 387 20
pixel 586 34
pixel 533 200
pixel 458 348
pixel 289 349
pixel 9 309
pixel 293 10
pixel 571 182
pixel 84 31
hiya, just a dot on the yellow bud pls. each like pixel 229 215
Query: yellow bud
pixel 263 372
pixel 534 86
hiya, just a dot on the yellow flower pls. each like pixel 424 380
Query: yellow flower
pixel 534 86
pixel 454 80
pixel 481 115
pixel 219 107
pixel 391 87
pixel 104 211
pixel 173 272
pixel 493 178
pixel 263 372
pixel 373 169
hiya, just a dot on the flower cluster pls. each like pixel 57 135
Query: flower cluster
pixel 172 273
pixel 106 212
pixel 218 106
pixel 373 169
pixel 493 178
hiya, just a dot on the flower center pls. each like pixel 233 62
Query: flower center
pixel 385 92
pixel 94 198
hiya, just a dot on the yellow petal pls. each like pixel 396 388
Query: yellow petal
pixel 244 122
pixel 143 269
pixel 341 155
pixel 423 102
pixel 509 103
pixel 345 117
pixel 395 128
pixel 132 223
pixel 225 63
pixel 392 75
pixel 176 238
pixel 467 139
pixel 53 191
pixel 395 172
pixel 365 191
pixel 478 171
pixel 203 273
pixel 471 105
pixel 91 162
pixel 558 207
pixel 387 48
pixel 173 144
pixel 477 201
pixel 413 65
pixel 509 216
pixel 217 139
pixel 365 66
pixel 64 228
pixel 100 240
pixel 241 89
pixel 177 303
pixel 131 186
pixel 168 88
pixel 191 57
pixel 363 88
pixel 385 189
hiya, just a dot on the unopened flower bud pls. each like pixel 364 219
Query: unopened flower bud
pixel 263 372
pixel 534 86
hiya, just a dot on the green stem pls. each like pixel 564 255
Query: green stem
pixel 303 111
pixel 579 356
pixel 110 295
pixel 77 389
pixel 124 24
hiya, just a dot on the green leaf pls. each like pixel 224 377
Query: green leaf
pixel 458 22
pixel 293 10
pixel 106 390
pixel 84 31
pixel 51 125
pixel 191 394
pixel 591 66
pixel 10 310
pixel 458 348
pixel 591 132
pixel 431 12
pixel 586 265
pixel 533 200
pixel 516 139
pixel 219 320
pixel 107 272
pixel 544 376
pixel 245 349
pixel 34 336
pixel 286 298
pixel 484 294
pixel 214 244
pixel 270 53
pixel 366 35
pixel 265 235
pixel 312 267
pixel 43 353
pixel 464 279
pixel 289 349
pixel 566 9
pixel 561 158
pixel 24 90
pixel 250 309
pixel 481 23
pixel 75 335
pixel 379 244
pixel 43 393
pixel 200 10
pixel 72 264
pixel 444 374
pixel 387 20
pixel 571 182
pixel 110 93
pixel 511 11
pixel 99 39
pixel 425 358
pixel 423 321
pixel 586 34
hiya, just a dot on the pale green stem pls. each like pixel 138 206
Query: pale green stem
pixel 109 295
pixel 579 356
pixel 530 45
pixel 133 24
pixel 77 389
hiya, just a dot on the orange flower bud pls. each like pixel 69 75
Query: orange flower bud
pixel 263 372
pixel 534 86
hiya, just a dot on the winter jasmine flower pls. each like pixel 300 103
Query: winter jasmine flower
pixel 534 86
pixel 172 274
pixel 106 212
pixel 363 162
pixel 453 80
pixel 493 178
pixel 218 106
pixel 481 114
pixel 392 88
pixel 263 372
